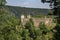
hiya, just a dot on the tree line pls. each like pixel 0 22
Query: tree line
pixel 11 28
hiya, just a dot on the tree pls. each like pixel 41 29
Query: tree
pixel 8 23
pixel 30 26
pixel 2 2
pixel 46 33
pixel 56 12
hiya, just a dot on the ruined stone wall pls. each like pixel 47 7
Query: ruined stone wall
pixel 47 21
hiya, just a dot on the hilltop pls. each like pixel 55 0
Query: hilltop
pixel 23 10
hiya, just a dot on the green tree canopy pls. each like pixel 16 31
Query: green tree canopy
pixel 2 2
pixel 8 22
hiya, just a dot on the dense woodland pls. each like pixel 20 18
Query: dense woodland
pixel 11 28
pixel 27 11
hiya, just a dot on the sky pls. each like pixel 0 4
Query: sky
pixel 28 3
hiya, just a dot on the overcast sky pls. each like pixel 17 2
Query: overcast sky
pixel 28 3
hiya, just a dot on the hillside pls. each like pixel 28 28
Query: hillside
pixel 22 10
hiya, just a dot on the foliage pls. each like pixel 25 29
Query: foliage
pixel 30 26
pixel 2 2
pixel 11 29
pixel 8 23
pixel 46 32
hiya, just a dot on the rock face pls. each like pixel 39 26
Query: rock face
pixel 47 21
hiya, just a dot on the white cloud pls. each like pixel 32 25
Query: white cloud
pixel 27 3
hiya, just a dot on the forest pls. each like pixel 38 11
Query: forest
pixel 11 28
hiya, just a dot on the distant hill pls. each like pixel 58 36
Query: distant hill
pixel 22 10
